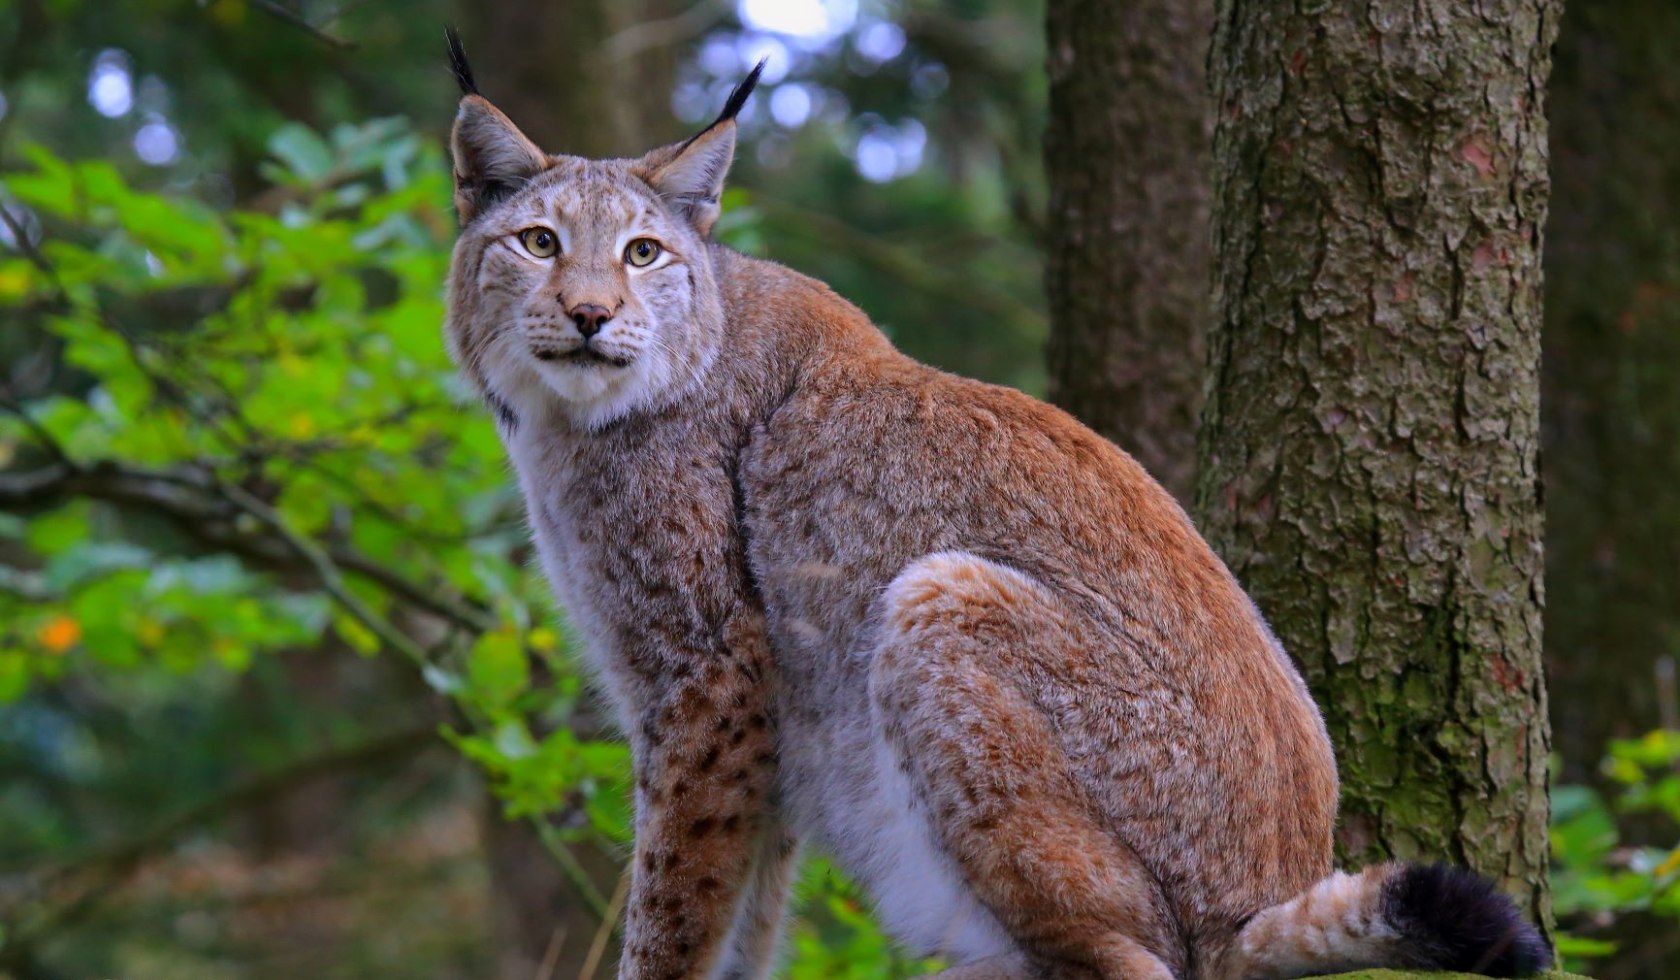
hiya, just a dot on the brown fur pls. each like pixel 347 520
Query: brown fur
pixel 814 574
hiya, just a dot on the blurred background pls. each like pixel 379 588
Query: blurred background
pixel 280 690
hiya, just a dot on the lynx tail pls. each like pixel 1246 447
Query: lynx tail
pixel 1408 916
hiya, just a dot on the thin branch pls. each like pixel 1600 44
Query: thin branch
pixel 652 35
pixel 575 875
pixel 615 909
pixel 429 599
pixel 27 586
pixel 44 438
pixel 112 865
pixel 201 506
pixel 551 955
pixel 914 270
pixel 327 572
pixel 197 501
pixel 34 486
pixel 295 19
pixel 20 235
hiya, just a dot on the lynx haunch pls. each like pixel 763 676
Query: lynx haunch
pixel 933 628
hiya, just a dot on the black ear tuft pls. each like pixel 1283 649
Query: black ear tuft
pixel 1456 920
pixel 738 98
pixel 458 62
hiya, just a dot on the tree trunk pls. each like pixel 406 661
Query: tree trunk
pixel 1126 154
pixel 551 68
pixel 1612 377
pixel 1369 447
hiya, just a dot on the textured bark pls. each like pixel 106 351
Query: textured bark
pixel 1612 375
pixel 1126 154
pixel 1369 446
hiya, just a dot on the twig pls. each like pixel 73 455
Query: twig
pixel 551 955
pixel 27 586
pixel 195 502
pixel 912 269
pixel 44 438
pixel 165 386
pixel 293 18
pixel 20 235
pixel 650 35
pixel 34 485
pixel 615 908
pixel 114 864
pixel 331 579
pixel 569 865
pixel 472 617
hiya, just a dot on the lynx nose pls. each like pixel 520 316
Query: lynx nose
pixel 589 318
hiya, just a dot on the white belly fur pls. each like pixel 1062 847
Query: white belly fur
pixel 883 840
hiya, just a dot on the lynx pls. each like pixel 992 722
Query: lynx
pixel 934 628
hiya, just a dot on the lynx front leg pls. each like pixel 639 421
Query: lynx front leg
pixel 955 703
pixel 705 770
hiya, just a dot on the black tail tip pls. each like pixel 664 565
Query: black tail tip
pixel 458 62
pixel 1457 920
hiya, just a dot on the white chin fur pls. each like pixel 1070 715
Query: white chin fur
pixel 582 385
pixel 600 394
pixel 592 396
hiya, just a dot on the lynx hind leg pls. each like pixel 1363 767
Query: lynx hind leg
pixel 952 694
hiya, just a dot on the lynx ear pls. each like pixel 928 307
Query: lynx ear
pixel 492 157
pixel 690 175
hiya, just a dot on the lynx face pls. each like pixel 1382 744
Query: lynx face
pixel 583 285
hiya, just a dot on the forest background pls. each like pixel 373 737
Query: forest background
pixel 281 690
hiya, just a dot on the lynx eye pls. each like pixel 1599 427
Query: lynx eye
pixel 539 242
pixel 641 252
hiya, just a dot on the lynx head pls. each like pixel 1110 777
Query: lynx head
pixel 583 285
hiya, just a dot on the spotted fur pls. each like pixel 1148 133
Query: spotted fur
pixel 934 628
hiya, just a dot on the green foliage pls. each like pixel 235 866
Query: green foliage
pixel 257 444
pixel 835 938
pixel 309 378
pixel 1596 878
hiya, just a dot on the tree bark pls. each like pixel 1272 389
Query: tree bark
pixel 1612 375
pixel 1369 446
pixel 1126 155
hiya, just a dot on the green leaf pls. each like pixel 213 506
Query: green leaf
pixel 58 531
pixel 351 631
pixel 304 153
pixel 14 675
pixel 1577 952
pixel 497 669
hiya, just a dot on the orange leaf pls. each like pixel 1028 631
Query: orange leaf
pixel 59 634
